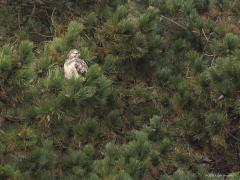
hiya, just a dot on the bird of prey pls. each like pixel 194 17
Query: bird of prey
pixel 74 66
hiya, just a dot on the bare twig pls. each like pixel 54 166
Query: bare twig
pixel 1 121
pixel 10 118
pixel 233 4
pixel 205 35
pixel 174 22
pixel 213 60
pixel 234 137
pixel 209 55
pixel 43 35
pixel 53 22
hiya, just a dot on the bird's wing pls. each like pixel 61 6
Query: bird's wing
pixel 70 70
pixel 81 66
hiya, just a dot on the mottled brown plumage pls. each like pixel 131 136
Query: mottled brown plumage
pixel 74 66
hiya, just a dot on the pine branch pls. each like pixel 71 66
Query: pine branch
pixel 10 118
pixel 174 22
pixel 205 35
pixel 234 137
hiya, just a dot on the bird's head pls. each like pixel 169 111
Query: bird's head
pixel 73 53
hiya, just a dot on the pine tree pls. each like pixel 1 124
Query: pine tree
pixel 160 98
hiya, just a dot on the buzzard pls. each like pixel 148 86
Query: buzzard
pixel 74 66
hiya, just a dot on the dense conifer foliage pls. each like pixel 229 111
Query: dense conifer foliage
pixel 161 98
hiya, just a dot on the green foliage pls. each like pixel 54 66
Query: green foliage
pixel 87 129
pixel 163 76
pixel 138 148
pixel 74 29
pixel 54 81
pixel 25 52
pixel 90 20
pixel 214 122
pixel 8 171
pixel 126 26
pixel 121 13
pixel 160 98
pixel 115 120
pixel 6 60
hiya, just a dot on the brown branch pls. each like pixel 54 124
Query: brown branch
pixel 205 35
pixel 10 118
pixel 174 22
pixel 43 35
pixel 209 55
pixel 234 137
